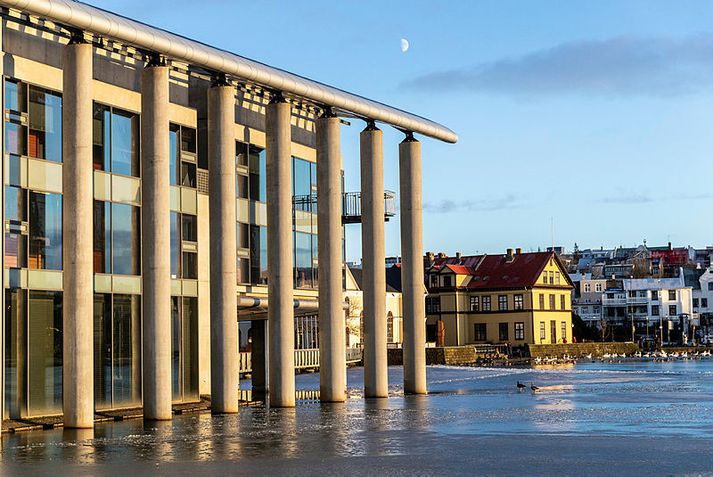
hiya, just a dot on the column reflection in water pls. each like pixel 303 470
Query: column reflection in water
pixel 45 353
pixel 83 451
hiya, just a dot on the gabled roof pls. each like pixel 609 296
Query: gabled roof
pixel 498 272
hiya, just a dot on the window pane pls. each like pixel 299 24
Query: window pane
pixel 241 186
pixel 175 246
pixel 243 270
pixel 243 235
pixel 126 347
pixel 125 239
pixel 15 99
pixel 45 231
pixel 15 207
pixel 15 348
pixel 188 174
pixel 258 254
pixel 190 265
pixel 14 170
pixel 241 154
pixel 15 139
pixel 257 175
pixel 45 354
pixel 15 250
pixel 173 158
pixel 102 237
pixel 303 259
pixel 176 348
pixel 189 320
pixel 188 139
pixel 101 137
pixel 45 138
pixel 124 143
pixel 301 185
pixel 190 227
pixel 102 350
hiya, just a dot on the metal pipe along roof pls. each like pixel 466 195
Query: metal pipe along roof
pixel 100 22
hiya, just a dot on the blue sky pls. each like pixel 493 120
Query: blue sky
pixel 595 115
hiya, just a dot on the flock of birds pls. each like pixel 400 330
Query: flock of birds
pixel 521 387
pixel 661 355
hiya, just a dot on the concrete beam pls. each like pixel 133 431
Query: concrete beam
pixel 332 349
pixel 225 362
pixel 77 227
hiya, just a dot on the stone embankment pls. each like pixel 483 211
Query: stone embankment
pixel 578 350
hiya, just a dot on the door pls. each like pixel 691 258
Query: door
pixel 553 331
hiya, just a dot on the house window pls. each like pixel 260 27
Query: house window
pixel 587 287
pixel 564 331
pixel 542 331
pixel 695 303
pixel 502 302
pixel 563 302
pixel 474 303
pixel 654 310
pixel 182 157
pixel 519 331
pixel 542 301
pixel 480 332
pixel 672 310
pixel 116 141
pixel 598 287
pixel 704 302
pixel 433 304
pixel 552 278
pixel 434 281
pixel 519 302
pixel 486 303
pixel 552 302
pixel 654 295
pixel 447 281
pixel 672 294
pixel 710 286
pixel 557 278
pixel 45 231
pixel 503 331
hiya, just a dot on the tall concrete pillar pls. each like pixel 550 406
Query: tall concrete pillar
pixel 225 363
pixel 414 314
pixel 376 382
pixel 280 310
pixel 77 226
pixel 332 350
pixel 156 241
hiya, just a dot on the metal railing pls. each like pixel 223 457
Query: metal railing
pixel 304 358
pixel 351 205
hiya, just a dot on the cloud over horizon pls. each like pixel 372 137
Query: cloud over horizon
pixel 482 205
pixel 618 66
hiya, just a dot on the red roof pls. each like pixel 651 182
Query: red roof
pixel 496 272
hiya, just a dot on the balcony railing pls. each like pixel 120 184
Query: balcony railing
pixel 304 358
pixel 351 205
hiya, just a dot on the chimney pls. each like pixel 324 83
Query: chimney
pixel 670 247
pixel 458 256
pixel 518 251
pixel 441 255
pixel 509 257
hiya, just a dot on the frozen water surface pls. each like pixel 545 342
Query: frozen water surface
pixel 629 418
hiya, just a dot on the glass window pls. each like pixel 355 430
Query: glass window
pixel 502 302
pixel 15 204
pixel 102 237
pixel 519 331
pixel 15 352
pixel 184 348
pixel 302 181
pixel 15 139
pixel 519 303
pixel 243 235
pixel 14 176
pixel 542 301
pixel 15 96
pixel 542 330
pixel 101 133
pixel 174 155
pixel 552 302
pixel 303 260
pixel 241 154
pixel 563 302
pixel 126 350
pixel 243 265
pixel 188 139
pixel 672 310
pixel 15 250
pixel 258 254
pixel 564 331
pixel 45 119
pixel 188 174
pixel 124 143
pixel 189 228
pixel 44 355
pixel 258 190
pixel 710 286
pixel 672 294
pixel 189 267
pixel 45 231
pixel 654 295
pixel 503 332
pixel 486 303
pixel 175 246
pixel 241 186
pixel 126 236
pixel 654 310
pixel 474 303
pixel 481 332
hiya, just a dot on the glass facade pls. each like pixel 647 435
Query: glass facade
pixel 45 228
pixel 116 141
pixel 117 350
pixel 184 237
pixel 182 159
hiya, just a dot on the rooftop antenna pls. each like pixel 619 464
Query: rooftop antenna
pixel 552 225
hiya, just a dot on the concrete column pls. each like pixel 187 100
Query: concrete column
pixel 332 350
pixel 259 360
pixel 376 382
pixel 77 226
pixel 225 363
pixel 414 314
pixel 156 241
pixel 280 310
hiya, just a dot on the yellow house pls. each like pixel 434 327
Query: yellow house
pixel 517 298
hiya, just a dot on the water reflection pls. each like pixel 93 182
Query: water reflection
pixel 80 446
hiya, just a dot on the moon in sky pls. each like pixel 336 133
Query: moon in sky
pixel 404 45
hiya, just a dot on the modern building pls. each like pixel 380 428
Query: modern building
pixel 587 297
pixel 154 195
pixel 517 298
